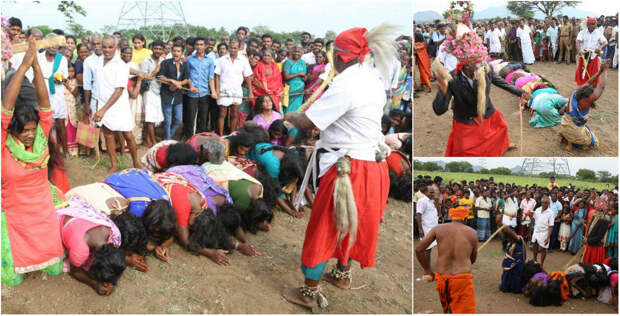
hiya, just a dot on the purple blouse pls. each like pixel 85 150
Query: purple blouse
pixel 197 176
pixel 258 119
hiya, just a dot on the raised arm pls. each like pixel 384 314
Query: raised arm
pixel 500 82
pixel 598 91
pixel 12 90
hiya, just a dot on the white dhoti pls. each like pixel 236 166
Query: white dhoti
pixel 230 96
pixel 118 118
pixel 540 237
pixel 152 108
pixel 509 220
pixel 427 229
pixel 59 105
pixel 526 51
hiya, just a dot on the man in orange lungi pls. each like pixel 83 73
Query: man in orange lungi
pixel 457 246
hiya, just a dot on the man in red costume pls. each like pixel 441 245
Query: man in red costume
pixel 478 129
pixel 349 117
pixel 590 43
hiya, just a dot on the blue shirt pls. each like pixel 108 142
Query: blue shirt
pixel 556 207
pixel 201 71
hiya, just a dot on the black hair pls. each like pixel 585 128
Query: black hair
pixel 539 294
pixel 190 41
pixel 124 48
pixel 555 290
pixel 242 28
pixel 208 232
pixel 180 154
pixel 271 186
pixel 200 38
pixel 289 40
pixel 531 267
pixel 258 107
pixel 266 35
pixel 278 126
pixel 58 32
pixel 397 113
pixel 437 179
pixel 177 38
pixel 400 187
pixel 613 264
pixel 229 217
pixel 306 33
pixel 257 212
pixel 584 92
pixel 80 45
pixel 253 40
pixel 318 40
pixel 241 139
pixel 406 147
pixel 160 221
pixel 302 136
pixel 222 44
pixel 13 21
pixel 73 37
pixel 138 36
pixel 159 43
pixel 275 41
pixel 133 233
pixel 108 265
pixel 385 120
pixel 292 165
pixel 328 43
pixel 178 45
pixel 257 132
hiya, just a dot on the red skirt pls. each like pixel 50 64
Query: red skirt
pixel 591 70
pixel 473 140
pixel 594 254
pixel 371 186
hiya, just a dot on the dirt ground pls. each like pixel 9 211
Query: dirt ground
pixel 431 131
pixel 487 273
pixel 193 284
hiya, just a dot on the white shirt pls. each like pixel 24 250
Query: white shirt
pixel 57 99
pixel 543 220
pixel 502 33
pixel 90 73
pixel 328 68
pixel 448 60
pixel 428 213
pixel 495 46
pixel 109 77
pixel 591 41
pixel 148 66
pixel 349 115
pixel 231 72
pixel 16 61
pixel 481 202
pixel 510 212
pixel 392 82
pixel 309 58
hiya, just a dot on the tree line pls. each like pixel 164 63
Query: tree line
pixel 466 167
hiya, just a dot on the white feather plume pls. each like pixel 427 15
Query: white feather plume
pixel 383 47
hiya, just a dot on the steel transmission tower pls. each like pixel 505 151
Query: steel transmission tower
pixel 160 19
pixel 534 166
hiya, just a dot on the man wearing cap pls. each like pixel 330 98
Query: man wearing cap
pixel 457 247
pixel 590 44
pixel 565 40
pixel 349 117
pixel 477 129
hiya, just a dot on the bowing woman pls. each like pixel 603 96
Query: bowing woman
pixel 30 235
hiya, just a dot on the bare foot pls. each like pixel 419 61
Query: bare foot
pixel 569 147
pixel 344 284
pixel 293 295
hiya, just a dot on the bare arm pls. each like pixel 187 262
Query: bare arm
pixel 12 91
pixel 248 83
pixel 474 252
pixel 300 120
pixel 418 218
pixel 217 82
pixel 598 91
pixel 420 251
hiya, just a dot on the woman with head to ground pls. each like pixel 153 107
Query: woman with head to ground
pixel 30 236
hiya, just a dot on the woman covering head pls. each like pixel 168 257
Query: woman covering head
pixel 294 73
pixel 268 80
pixel 30 236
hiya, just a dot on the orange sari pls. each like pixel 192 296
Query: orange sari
pixel 269 77
pixel 424 63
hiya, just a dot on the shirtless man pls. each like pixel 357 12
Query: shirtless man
pixel 457 246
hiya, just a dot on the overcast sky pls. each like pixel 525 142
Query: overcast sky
pixel 596 164
pixel 314 16
pixel 596 6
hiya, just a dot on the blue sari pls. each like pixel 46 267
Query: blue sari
pixel 139 187
pixel 513 264
pixel 296 85
pixel 577 131
pixel 577 231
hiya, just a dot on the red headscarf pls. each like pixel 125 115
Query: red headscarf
pixel 351 44
pixel 591 20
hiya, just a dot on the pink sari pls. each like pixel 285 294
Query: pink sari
pixel 315 76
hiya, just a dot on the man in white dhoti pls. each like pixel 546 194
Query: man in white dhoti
pixel 113 111
pixel 495 44
pixel 426 215
pixel 543 226
pixel 525 43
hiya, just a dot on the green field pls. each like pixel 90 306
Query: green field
pixel 519 180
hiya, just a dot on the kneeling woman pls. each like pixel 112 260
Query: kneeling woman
pixel 189 204
pixel 92 241
pixel 285 165
pixel 149 201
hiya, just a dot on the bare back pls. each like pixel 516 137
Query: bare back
pixel 457 246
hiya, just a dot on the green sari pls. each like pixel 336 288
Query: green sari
pixel 296 85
